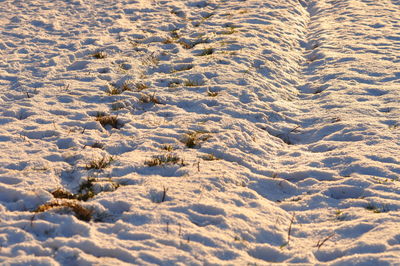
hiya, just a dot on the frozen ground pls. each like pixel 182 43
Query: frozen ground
pixel 275 125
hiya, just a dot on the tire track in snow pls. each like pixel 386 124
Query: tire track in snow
pixel 342 89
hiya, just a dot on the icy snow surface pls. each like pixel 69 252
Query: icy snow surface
pixel 239 132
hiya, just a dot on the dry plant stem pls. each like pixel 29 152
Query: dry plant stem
pixel 289 231
pixel 321 242
pixel 164 194
pixel 290 227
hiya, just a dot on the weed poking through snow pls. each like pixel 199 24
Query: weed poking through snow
pixel 149 99
pixel 167 148
pixel 193 83
pixel 207 51
pixel 141 86
pixel 193 139
pixel 108 120
pixel 99 55
pixel 209 157
pixel 212 93
pixel 164 159
pixel 79 211
pixel 101 163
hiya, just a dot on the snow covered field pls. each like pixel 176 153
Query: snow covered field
pixel 200 132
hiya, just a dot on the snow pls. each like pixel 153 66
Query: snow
pixel 239 132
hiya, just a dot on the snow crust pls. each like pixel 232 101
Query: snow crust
pixel 275 126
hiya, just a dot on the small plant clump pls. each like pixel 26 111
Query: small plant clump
pixel 167 148
pixel 340 215
pixel 113 90
pixel 101 163
pixel 141 86
pixel 230 30
pixel 83 194
pixel 186 45
pixel 99 55
pixel 149 99
pixel 79 211
pixel 207 51
pixel 127 86
pixel 374 208
pixel 150 60
pixel 212 93
pixel 210 157
pixel 108 120
pixel 174 84
pixel 168 40
pixel 164 159
pixel 190 45
pixel 62 194
pixel 85 190
pixel 174 34
pixel 193 83
pixel 193 139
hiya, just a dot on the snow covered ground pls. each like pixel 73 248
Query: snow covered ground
pixel 200 132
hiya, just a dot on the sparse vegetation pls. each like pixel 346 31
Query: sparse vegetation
pixel 340 215
pixel 79 211
pixel 322 241
pixel 167 148
pixel 212 93
pixel 85 190
pixel 193 139
pixel 209 157
pixel 186 45
pixel 83 195
pixel 40 168
pixel 127 86
pixel 174 84
pixel 174 34
pixel 160 197
pixel 141 86
pixel 319 90
pixel 108 120
pixel 206 51
pixel 289 231
pixel 150 60
pixel 375 208
pixel 101 163
pixel 193 83
pixel 168 41
pixel 229 30
pixel 164 159
pixel 62 194
pixel 190 45
pixel 99 55
pixel 113 90
pixel 149 99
